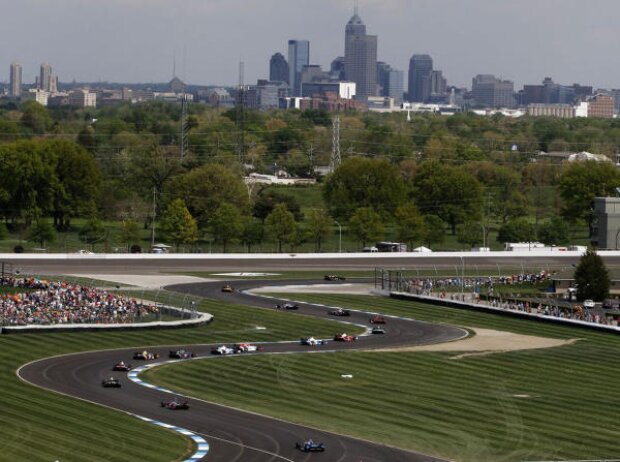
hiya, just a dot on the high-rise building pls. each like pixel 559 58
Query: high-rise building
pixel 15 86
pixel 390 82
pixel 438 83
pixel 491 92
pixel 45 77
pixel 601 105
pixel 360 57
pixel 278 69
pixel 298 57
pixel 336 68
pixel 420 70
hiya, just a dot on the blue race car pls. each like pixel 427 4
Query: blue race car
pixel 310 446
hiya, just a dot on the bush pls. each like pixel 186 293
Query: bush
pixel 18 249
pixel 135 249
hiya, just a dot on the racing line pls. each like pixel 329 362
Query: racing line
pixel 233 435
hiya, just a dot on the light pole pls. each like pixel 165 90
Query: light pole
pixel 339 236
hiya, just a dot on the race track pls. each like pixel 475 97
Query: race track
pixel 234 435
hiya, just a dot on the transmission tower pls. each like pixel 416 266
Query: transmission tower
pixel 184 125
pixel 241 116
pixel 335 161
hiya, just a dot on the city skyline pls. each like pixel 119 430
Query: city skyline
pixel 92 42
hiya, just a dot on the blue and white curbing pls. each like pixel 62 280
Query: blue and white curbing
pixel 134 373
pixel 201 443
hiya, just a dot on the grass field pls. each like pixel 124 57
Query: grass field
pixel 41 426
pixel 545 404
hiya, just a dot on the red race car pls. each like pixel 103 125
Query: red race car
pixel 344 338
pixel 122 367
pixel 175 404
pixel 377 320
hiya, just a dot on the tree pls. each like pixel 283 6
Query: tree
pixel 366 225
pixel 226 224
pixel 179 225
pixel 592 278
pixel 555 232
pixel 582 182
pixel 4 232
pixel 252 232
pixel 35 117
pixel 280 224
pixel 517 230
pixel 364 182
pixel 470 233
pixel 41 232
pixel 433 231
pixel 409 224
pixel 93 231
pixel 448 192
pixel 319 226
pixel 268 198
pixel 130 232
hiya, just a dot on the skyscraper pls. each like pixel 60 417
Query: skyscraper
pixel 298 57
pixel 489 91
pixel 45 77
pixel 360 57
pixel 390 81
pixel 15 87
pixel 420 70
pixel 278 68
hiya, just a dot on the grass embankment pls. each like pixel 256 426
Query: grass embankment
pixel 524 405
pixel 42 426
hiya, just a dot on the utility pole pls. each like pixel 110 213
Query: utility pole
pixel 336 159
pixel 311 159
pixel 154 212
pixel 184 144
pixel 240 105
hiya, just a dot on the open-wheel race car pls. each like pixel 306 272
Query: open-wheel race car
pixel 227 288
pixel 175 404
pixel 377 319
pixel 340 312
pixel 181 354
pixel 287 307
pixel 111 383
pixel 377 330
pixel 311 341
pixel 145 355
pixel 122 367
pixel 310 446
pixel 333 277
pixel 247 348
pixel 344 338
pixel 222 350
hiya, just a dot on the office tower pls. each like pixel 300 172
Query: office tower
pixel 491 92
pixel 45 77
pixel 360 57
pixel 336 68
pixel 278 69
pixel 298 57
pixel 438 83
pixel 420 71
pixel 390 81
pixel 15 87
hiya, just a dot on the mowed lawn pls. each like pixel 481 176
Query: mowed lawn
pixel 37 425
pixel 547 404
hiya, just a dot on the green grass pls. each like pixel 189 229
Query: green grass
pixel 42 426
pixel 467 409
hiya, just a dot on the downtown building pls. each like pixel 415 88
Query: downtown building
pixel 360 57
pixel 278 69
pixel 15 80
pixel 298 58
pixel 488 91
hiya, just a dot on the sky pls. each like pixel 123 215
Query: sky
pixel 137 40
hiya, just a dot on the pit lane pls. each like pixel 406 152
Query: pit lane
pixel 235 435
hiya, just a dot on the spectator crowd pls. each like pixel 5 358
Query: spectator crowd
pixel 26 301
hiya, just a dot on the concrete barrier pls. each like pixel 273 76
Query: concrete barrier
pixel 201 318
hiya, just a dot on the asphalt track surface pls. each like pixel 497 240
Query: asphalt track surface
pixel 235 435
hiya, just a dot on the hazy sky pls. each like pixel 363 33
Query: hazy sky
pixel 135 40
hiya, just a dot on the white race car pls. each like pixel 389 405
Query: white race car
pixel 222 350
pixel 247 348
pixel 311 341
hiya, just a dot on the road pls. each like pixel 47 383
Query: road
pixel 235 435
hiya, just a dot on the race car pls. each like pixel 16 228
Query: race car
pixel 181 354
pixel 311 341
pixel 175 404
pixel 122 367
pixel 333 277
pixel 145 355
pixel 247 348
pixel 340 312
pixel 377 330
pixel 287 307
pixel 111 383
pixel 344 338
pixel 227 288
pixel 310 446
pixel 377 320
pixel 222 350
